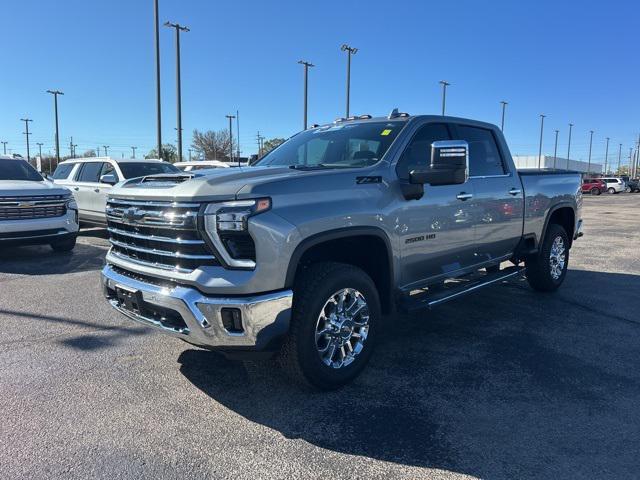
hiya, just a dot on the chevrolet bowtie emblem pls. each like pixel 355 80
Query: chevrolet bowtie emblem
pixel 132 214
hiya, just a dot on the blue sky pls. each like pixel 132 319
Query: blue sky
pixel 573 61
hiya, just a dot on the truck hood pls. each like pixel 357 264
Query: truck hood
pixel 219 184
pixel 19 188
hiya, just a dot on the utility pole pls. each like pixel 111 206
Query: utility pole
pixel 230 117
pixel 106 150
pixel 40 149
pixel 4 147
pixel 542 117
pixel 71 148
pixel 555 150
pixel 444 84
pixel 55 94
pixel 189 154
pixel 179 28
pixel 606 156
pixel 590 145
pixel 258 140
pixel 306 82
pixel 158 108
pixel 133 151
pixel 619 157
pixel 74 149
pixel 569 145
pixel 238 134
pixel 630 157
pixel 98 152
pixel 350 51
pixel 504 107
pixel 26 132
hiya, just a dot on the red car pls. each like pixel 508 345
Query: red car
pixel 593 186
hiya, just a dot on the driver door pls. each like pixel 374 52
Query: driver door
pixel 437 231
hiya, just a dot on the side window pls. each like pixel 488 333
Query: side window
pixel 418 152
pixel 107 169
pixel 62 171
pixel 90 172
pixel 484 155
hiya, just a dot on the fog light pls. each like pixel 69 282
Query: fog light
pixel 232 320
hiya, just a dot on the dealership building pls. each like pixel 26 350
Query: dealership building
pixel 549 161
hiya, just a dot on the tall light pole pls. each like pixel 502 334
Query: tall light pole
pixel 606 156
pixel 306 82
pixel 590 145
pixel 4 147
pixel 179 28
pixel 444 84
pixel 619 157
pixel 133 151
pixel 26 132
pixel 569 145
pixel 350 51
pixel 542 117
pixel 55 94
pixel 106 150
pixel 230 117
pixel 555 150
pixel 238 135
pixel 504 107
pixel 156 17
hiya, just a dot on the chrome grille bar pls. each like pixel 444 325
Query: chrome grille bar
pixel 164 253
pixel 155 238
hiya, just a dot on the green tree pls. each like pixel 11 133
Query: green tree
pixel 169 153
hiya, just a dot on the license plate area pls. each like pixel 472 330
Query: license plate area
pixel 130 299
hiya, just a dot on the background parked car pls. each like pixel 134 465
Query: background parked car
pixel 614 184
pixel 201 165
pixel 594 186
pixel 633 185
pixel 90 180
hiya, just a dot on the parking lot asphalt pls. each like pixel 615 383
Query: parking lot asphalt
pixel 504 383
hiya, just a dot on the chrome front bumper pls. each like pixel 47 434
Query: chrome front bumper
pixel 186 313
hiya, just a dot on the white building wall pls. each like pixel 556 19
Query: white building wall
pixel 531 161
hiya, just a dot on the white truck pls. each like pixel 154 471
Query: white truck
pixel 34 210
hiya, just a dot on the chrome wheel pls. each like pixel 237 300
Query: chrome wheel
pixel 557 258
pixel 342 328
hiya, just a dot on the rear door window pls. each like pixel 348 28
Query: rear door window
pixel 484 155
pixel 89 172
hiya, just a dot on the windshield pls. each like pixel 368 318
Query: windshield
pixel 18 170
pixel 142 169
pixel 346 145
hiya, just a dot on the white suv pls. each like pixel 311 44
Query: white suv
pixel 614 184
pixel 34 210
pixel 90 180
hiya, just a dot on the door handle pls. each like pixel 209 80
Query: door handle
pixel 76 188
pixel 515 191
pixel 464 196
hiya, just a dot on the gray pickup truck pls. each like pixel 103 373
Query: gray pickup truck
pixel 301 255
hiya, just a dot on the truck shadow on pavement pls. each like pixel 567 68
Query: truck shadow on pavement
pixel 41 260
pixel 507 383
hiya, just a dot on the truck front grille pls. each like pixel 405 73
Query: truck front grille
pixel 158 234
pixel 29 208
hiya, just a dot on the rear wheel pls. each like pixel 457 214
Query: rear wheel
pixel 336 315
pixel 65 245
pixel 595 191
pixel 546 270
pixel 611 190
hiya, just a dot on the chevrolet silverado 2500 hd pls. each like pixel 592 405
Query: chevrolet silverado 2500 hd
pixel 303 253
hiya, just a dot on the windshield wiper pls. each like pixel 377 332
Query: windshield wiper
pixel 317 166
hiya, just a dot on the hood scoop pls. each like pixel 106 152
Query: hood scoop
pixel 164 180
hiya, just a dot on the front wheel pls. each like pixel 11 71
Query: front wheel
pixel 336 316
pixel 611 190
pixel 595 191
pixel 65 245
pixel 546 270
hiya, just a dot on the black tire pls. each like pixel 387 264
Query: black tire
pixel 299 356
pixel 65 245
pixel 611 190
pixel 538 267
pixel 595 191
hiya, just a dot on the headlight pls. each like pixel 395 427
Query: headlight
pixel 227 224
pixel 72 205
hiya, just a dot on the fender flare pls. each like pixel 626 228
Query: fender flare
pixel 339 233
pixel 553 209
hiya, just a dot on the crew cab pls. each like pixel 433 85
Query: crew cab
pixel 34 210
pixel 301 255
pixel 90 180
